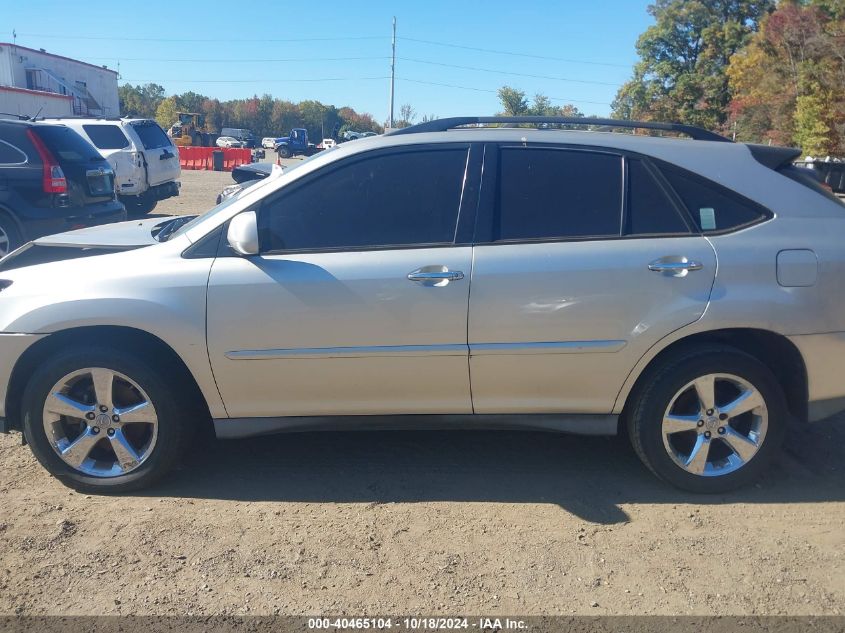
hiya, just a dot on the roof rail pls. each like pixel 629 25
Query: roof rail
pixel 442 125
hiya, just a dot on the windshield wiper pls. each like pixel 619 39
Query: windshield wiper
pixel 166 230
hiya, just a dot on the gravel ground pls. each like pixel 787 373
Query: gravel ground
pixel 427 523
pixel 424 523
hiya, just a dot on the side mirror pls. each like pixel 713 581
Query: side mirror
pixel 243 233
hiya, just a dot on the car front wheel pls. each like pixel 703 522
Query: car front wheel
pixel 103 420
pixel 9 238
pixel 709 420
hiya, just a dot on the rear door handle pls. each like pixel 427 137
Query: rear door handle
pixel 677 266
pixel 435 275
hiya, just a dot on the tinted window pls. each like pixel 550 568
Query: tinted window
pixel 65 144
pixel 393 199
pixel 711 207
pixel 106 136
pixel 151 135
pixel 11 155
pixel 547 193
pixel 650 210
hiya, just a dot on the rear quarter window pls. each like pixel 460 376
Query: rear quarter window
pixel 11 155
pixel 106 136
pixel 713 208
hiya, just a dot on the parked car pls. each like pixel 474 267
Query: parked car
pixel 144 159
pixel 246 176
pixel 295 144
pixel 228 141
pixel 326 143
pixel 268 142
pixel 486 277
pixel 51 181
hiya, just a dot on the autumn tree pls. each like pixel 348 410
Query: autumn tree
pixel 684 55
pixel 166 112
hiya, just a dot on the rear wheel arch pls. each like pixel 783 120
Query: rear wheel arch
pixel 145 345
pixel 774 350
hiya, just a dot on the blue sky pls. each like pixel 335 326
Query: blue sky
pixel 580 52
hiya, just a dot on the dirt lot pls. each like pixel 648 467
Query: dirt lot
pixel 425 523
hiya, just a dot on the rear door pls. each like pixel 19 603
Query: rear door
pixel 160 155
pixel 583 261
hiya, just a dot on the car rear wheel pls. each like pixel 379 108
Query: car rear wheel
pixel 139 205
pixel 9 236
pixel 709 420
pixel 283 152
pixel 104 421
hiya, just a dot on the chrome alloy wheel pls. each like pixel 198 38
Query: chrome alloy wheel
pixel 100 422
pixel 5 242
pixel 715 424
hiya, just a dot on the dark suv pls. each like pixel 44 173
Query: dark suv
pixel 51 180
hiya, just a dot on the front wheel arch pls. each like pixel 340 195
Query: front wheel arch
pixel 144 344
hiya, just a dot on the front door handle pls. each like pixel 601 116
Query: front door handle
pixel 675 266
pixel 435 275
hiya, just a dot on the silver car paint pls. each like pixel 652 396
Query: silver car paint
pixel 156 290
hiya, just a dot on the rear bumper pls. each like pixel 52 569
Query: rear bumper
pixel 12 347
pixel 52 221
pixel 824 358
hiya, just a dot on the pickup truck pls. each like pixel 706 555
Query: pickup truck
pixel 295 144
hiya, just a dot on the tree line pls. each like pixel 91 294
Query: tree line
pixel 764 71
pixel 264 115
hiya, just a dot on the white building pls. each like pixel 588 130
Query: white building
pixel 33 80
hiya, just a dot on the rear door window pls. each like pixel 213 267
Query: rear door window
pixel 151 135
pixel 106 136
pixel 11 155
pixel 650 209
pixel 558 194
pixel 713 208
pixel 66 144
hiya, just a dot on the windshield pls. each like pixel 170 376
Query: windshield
pixel 225 204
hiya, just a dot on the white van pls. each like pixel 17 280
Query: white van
pixel 144 159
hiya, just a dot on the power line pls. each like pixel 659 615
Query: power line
pixel 505 72
pixel 433 83
pixel 251 81
pixel 243 61
pixel 214 39
pixel 514 53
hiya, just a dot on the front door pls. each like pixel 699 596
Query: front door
pixel 586 263
pixel 358 303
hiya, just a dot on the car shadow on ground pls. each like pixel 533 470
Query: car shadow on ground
pixel 590 477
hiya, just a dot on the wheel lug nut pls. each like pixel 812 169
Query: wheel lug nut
pixel 95 429
pixel 90 416
pixel 709 411
pixel 721 430
pixel 707 434
pixel 701 423
pixel 103 408
pixel 723 416
pixel 110 432
pixel 115 418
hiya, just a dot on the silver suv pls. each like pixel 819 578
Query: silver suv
pixel 687 292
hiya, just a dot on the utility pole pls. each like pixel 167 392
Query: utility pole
pixel 392 73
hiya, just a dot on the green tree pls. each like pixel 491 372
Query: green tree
pixel 684 55
pixel 814 131
pixel 513 101
pixel 166 112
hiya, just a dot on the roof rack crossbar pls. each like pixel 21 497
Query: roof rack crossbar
pixel 442 125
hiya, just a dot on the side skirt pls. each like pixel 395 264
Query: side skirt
pixel 578 424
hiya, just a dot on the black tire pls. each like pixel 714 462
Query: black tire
pixel 283 152
pixel 10 237
pixel 176 425
pixel 650 402
pixel 137 206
